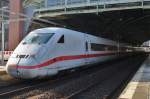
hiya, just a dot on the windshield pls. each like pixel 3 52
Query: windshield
pixel 38 38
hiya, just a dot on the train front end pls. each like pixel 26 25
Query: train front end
pixel 25 61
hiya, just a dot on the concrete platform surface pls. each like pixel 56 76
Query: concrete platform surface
pixel 139 86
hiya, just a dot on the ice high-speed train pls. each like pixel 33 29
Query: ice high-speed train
pixel 46 51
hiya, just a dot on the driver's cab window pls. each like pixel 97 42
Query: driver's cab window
pixel 61 40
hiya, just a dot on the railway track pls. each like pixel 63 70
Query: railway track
pixel 112 94
pixel 64 86
pixel 21 85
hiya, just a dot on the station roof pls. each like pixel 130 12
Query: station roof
pixel 129 26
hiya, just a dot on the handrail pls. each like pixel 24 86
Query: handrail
pixel 73 6
pixel 73 2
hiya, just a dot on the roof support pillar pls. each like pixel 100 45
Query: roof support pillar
pixel 15 27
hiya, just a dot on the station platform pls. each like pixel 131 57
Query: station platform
pixel 139 86
pixel 2 70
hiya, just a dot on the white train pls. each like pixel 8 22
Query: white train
pixel 45 52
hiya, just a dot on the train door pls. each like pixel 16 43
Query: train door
pixel 86 48
pixel 57 51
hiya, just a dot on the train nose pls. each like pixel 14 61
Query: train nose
pixel 12 70
pixel 19 68
pixel 28 74
pixel 18 73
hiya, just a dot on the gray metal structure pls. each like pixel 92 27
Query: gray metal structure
pixel 4 4
pixel 60 7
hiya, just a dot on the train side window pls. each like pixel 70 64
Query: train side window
pixel 97 47
pixel 61 40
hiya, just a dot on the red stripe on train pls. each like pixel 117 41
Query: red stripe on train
pixel 63 58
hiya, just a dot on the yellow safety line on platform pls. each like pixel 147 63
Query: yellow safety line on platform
pixel 130 90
